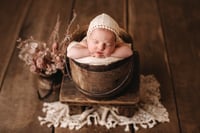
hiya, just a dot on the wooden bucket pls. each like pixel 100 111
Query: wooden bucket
pixel 104 81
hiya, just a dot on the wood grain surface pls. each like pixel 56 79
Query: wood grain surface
pixel 165 33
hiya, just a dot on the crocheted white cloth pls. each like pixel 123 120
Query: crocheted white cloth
pixel 150 111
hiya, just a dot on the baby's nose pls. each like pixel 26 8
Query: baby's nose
pixel 101 46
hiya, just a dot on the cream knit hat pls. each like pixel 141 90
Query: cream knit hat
pixel 104 21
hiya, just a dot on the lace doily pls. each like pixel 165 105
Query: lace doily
pixel 149 112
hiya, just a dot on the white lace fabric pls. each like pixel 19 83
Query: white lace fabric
pixel 149 112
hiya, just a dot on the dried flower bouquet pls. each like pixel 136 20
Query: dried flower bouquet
pixel 40 58
pixel 46 58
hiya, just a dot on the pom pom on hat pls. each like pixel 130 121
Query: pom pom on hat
pixel 104 21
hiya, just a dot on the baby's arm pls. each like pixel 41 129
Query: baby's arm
pixel 79 50
pixel 122 51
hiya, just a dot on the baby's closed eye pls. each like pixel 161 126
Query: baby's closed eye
pixel 95 41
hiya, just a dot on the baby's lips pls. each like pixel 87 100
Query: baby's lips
pixel 100 53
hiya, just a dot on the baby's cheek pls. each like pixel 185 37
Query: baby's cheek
pixel 108 52
pixel 92 49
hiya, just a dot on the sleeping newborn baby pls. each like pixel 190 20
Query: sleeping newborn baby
pixel 102 41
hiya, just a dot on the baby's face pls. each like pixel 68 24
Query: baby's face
pixel 101 43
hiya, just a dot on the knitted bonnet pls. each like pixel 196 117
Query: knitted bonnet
pixel 104 21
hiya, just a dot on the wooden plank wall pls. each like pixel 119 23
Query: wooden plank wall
pixel 19 104
pixel 165 34
pixel 145 27
pixel 12 16
pixel 181 31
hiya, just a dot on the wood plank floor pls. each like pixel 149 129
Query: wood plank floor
pixel 166 34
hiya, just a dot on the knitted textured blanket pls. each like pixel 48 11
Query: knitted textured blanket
pixel 149 112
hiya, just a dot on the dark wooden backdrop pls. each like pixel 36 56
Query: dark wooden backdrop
pixel 165 33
